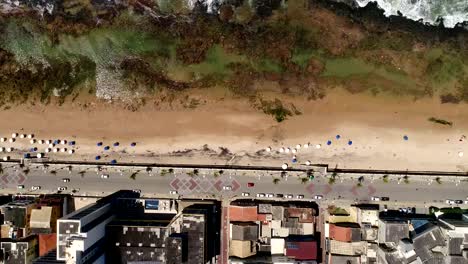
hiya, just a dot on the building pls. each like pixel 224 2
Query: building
pixel 345 232
pixel 242 248
pixel 47 242
pixel 16 218
pixel 244 231
pixel 392 231
pixel 20 251
pixel 301 247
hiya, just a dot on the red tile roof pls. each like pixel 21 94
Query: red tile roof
pixel 302 250
pixel 340 233
pixel 305 215
pixel 242 213
pixel 47 242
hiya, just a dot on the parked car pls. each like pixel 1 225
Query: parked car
pixel 261 195
pixel 270 195
pixel 20 187
pixel 245 194
pixel 385 208
pixel 300 196
pixel 227 187
pixel 318 197
pixel 289 196
pixel 458 201
pixel 448 201
pixel 250 184
pixel 62 188
pixel 104 176
pixel 66 180
pixel 384 198
pixel 35 188
pixel 174 192
pixel 375 198
pixel 136 190
pixel 279 195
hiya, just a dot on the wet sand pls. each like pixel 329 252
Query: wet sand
pixel 375 125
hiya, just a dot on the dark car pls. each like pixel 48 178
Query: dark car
pixel 458 201
pixel 250 184
pixel 279 195
pixel 385 199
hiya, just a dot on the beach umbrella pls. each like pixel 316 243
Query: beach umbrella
pixel 306 145
pixel 116 144
pixel 22 135
pixel 57 141
pixel 405 137
pixel 33 149
pixel 56 150
pixel 308 163
pixel 318 146
pixel 63 142
pixel 133 144
pixel 14 135
pixel 51 145
pixel 350 142
pixel 294 150
pixel 39 155
pixel 281 150
pixel 71 151
pixel 41 141
pixel 27 155
pixel 2 149
pixel 30 136
pixel 48 142
pixel 106 148
pixel 113 161
pixel 460 154
pixel 99 144
pixel 64 150
pixel 3 139
pixel 97 158
pixel 9 149
pixel 294 160
pixel 284 166
pixel 287 150
pixel 11 140
pixel 6 158
pixel 71 143
pixel 329 142
pixel 298 146
pixel 47 150
pixel 32 141
pixel 268 149
pixel 338 137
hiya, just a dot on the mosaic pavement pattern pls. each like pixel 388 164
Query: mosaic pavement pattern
pixel 186 184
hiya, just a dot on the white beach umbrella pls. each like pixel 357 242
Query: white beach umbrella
pixel 12 140
pixel 2 149
pixel 51 145
pixel 3 139
pixel 63 142
pixel 294 150
pixel 318 146
pixel 30 136
pixel 460 154
pixel 41 141
pixel 306 145
pixel 22 136
pixel 10 149
pixel 48 141
pixel 298 146
pixel 284 166
pixel 56 150
pixel 71 151
pixel 268 149
pixel 14 135
pixel 32 141
pixel 308 163
pixel 47 150
pixel 287 150
pixel 6 158
pixel 64 150
pixel 281 150
pixel 39 155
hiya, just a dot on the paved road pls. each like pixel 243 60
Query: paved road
pixel 205 184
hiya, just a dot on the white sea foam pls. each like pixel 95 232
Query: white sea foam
pixel 451 11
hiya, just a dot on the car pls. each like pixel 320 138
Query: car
pixel 35 188
pixel 289 196
pixel 104 176
pixel 300 196
pixel 20 187
pixel 173 192
pixel 270 195
pixel 66 180
pixel 403 210
pixel 136 190
pixel 227 187
pixel 375 198
pixel 250 184
pixel 75 190
pixel 279 195
pixel 245 194
pixel 318 197
pixel 466 202
pixel 385 208
pixel 448 201
pixel 384 198
pixel 458 201
pixel 62 188
pixel 261 195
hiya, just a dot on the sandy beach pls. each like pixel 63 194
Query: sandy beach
pixel 226 130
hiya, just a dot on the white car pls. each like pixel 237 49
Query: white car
pixel 20 187
pixel 300 196
pixel 62 188
pixel 289 196
pixel 245 194
pixel 104 176
pixel 375 198
pixel 66 180
pixel 35 188
pixel 227 187
pixel 466 202
pixel 448 201
pixel 261 195
pixel 136 190
pixel 318 197
pixel 174 192
pixel 270 195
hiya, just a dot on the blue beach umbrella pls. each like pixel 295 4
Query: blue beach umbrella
pixel 99 144
pixel 338 136
pixel 106 148
pixel 116 144
pixel 72 143
pixel 405 137
pixel 350 142
pixel 329 142
pixel 56 142
pixel 133 144
pixel 113 161
pixel 33 149
pixel 97 158
pixel 27 155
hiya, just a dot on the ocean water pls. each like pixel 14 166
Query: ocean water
pixel 429 11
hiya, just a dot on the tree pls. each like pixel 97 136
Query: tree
pixel 133 175
pixel 439 180
pixel 406 179
pixel 1 168
pixel 216 174
pixel 149 170
pixel 82 173
pixel 53 172
pixel 331 180
pixel 276 180
pixel 304 180
pixel 385 178
pixel 163 172
pixel 171 170
pixel 26 171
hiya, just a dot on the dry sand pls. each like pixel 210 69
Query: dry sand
pixel 376 125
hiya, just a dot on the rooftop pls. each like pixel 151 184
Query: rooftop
pixel 40 218
pixel 242 213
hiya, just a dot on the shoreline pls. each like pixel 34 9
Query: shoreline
pixel 231 132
